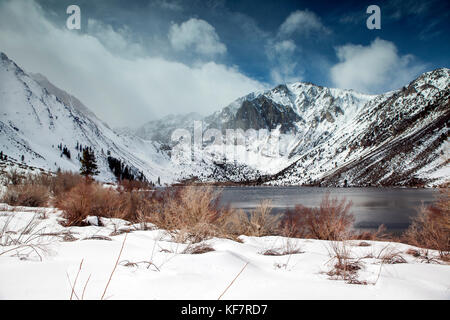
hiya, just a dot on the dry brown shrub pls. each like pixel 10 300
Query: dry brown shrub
pixel 26 195
pixel 131 205
pixel 87 199
pixel 261 222
pixel 235 224
pixel 331 221
pixel 191 213
pixel 40 179
pixel 64 181
pixel 258 223
pixel 33 189
pixel 431 228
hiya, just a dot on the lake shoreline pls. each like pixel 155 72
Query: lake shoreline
pixel 235 184
pixel 372 206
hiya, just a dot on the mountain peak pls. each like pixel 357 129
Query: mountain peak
pixel 3 56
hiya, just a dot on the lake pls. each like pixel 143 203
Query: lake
pixel 372 207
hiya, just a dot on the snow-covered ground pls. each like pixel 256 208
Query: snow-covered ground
pixel 152 266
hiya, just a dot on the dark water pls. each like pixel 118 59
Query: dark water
pixel 372 207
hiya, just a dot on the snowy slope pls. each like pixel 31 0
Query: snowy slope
pixel 153 266
pixel 36 117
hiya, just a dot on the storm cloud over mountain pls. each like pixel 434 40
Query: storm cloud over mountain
pixel 149 59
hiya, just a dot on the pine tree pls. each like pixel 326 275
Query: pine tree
pixel 88 163
pixel 66 152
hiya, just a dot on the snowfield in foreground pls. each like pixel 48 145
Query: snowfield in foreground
pixel 152 266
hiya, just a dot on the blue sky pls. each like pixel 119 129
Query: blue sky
pixel 220 50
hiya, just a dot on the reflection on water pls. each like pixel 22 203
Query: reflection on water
pixel 372 207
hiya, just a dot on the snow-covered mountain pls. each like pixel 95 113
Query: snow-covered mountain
pixel 308 134
pixel 37 119
pixel 297 133
pixel 298 118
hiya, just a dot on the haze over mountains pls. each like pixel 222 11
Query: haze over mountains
pixel 296 133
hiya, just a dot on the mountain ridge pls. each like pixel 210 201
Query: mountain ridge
pixel 312 135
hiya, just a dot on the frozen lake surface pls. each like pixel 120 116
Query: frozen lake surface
pixel 372 207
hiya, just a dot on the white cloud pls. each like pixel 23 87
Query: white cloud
pixel 302 22
pixel 374 68
pixel 197 35
pixel 122 90
pixel 114 40
pixel 285 47
pixel 281 54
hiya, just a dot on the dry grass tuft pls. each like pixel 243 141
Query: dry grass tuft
pixel 97 237
pixel 198 249
pixel 389 255
pixel 344 267
pixel 288 247
pixel 25 241
pixel 131 264
pixel 281 252
pixel 413 252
